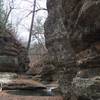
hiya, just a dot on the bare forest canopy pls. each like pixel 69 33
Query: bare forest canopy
pixel 21 15
pixel 16 20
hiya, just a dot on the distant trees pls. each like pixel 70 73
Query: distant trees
pixel 5 13
pixel 2 13
pixel 9 10
pixel 38 31
pixel 38 26
pixel 35 29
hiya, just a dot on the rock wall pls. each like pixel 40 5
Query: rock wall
pixel 13 56
pixel 72 39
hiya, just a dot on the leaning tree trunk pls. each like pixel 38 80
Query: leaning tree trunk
pixel 31 27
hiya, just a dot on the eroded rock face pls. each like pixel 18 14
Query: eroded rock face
pixel 13 56
pixel 59 46
pixel 72 32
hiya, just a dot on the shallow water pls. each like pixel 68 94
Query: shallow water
pixel 30 93
pixel 6 77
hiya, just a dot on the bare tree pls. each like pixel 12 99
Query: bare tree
pixel 36 8
pixel 37 32
pixel 31 27
pixel 11 7
pixel 32 23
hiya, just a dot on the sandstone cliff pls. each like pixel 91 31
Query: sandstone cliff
pixel 72 39
pixel 13 56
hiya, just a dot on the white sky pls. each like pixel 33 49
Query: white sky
pixel 23 7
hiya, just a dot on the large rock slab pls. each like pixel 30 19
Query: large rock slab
pixel 23 84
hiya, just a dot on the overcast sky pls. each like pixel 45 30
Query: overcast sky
pixel 23 7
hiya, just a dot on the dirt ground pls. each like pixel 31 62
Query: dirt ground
pixel 6 96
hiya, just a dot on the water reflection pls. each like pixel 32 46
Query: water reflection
pixel 30 93
pixel 8 77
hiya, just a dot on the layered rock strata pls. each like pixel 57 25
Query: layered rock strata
pixel 13 56
pixel 72 32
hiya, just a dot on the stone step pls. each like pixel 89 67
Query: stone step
pixel 23 84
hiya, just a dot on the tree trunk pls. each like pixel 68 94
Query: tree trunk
pixel 31 27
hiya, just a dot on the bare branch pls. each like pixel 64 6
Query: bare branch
pixel 30 13
pixel 28 1
pixel 11 7
pixel 40 9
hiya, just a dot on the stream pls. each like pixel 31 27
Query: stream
pixel 6 77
